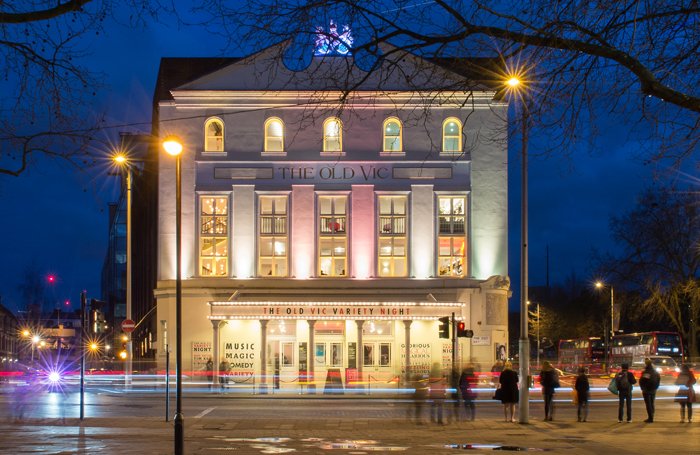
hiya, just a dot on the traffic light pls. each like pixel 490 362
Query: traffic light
pixel 463 332
pixel 97 321
pixel 444 329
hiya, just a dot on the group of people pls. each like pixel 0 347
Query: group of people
pixel 506 381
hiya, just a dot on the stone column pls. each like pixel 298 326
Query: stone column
pixel 216 387
pixel 312 358
pixel 263 356
pixel 407 375
pixel 360 354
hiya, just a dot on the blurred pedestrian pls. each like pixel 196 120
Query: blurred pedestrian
pixel 686 395
pixel 549 379
pixel 496 371
pixel 223 370
pixel 582 388
pixel 625 382
pixel 437 398
pixel 509 390
pixel 209 368
pixel 467 383
pixel 420 396
pixel 649 382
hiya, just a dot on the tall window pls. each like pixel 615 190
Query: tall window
pixel 452 235
pixel 392 236
pixel 274 137
pixel 332 135
pixel 332 242
pixel 214 136
pixel 392 135
pixel 273 236
pixel 452 135
pixel 213 257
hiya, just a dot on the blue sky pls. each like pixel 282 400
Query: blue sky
pixel 47 216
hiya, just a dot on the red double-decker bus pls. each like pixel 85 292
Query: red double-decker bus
pixel 627 348
pixel 589 352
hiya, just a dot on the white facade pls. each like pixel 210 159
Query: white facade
pixel 363 222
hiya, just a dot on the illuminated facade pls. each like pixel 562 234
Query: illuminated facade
pixel 316 238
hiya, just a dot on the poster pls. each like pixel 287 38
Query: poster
pixel 240 358
pixel 501 352
pixel 201 351
pixel 420 359
pixel 447 358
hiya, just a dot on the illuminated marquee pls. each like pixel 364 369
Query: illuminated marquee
pixel 333 43
pixel 333 310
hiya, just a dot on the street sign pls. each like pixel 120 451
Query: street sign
pixel 128 325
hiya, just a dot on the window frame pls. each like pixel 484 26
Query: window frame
pixel 273 235
pixel 466 258
pixel 384 136
pixel 265 145
pixel 202 235
pixel 332 235
pixel 209 121
pixel 458 135
pixel 392 235
pixel 340 136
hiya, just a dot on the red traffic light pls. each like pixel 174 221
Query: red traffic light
pixel 460 326
pixel 51 279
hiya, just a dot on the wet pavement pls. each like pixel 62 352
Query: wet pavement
pixel 135 424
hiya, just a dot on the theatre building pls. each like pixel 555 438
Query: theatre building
pixel 318 236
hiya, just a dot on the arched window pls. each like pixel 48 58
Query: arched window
pixel 332 135
pixel 214 136
pixel 392 135
pixel 274 135
pixel 452 135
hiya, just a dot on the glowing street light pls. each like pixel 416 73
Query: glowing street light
pixel 611 333
pixel 173 146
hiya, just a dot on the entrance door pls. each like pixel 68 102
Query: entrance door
pixel 281 361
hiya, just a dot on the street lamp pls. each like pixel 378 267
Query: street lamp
pixel 515 83
pixel 173 145
pixel 35 340
pixel 124 162
pixel 538 331
pixel 612 325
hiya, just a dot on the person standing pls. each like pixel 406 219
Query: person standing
pixel 437 398
pixel 649 382
pixel 509 391
pixel 209 369
pixel 550 382
pixel 582 388
pixel 686 394
pixel 223 370
pixel 625 382
pixel 467 382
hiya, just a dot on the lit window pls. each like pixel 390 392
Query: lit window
pixel 214 136
pixel 392 135
pixel 332 235
pixel 332 135
pixel 273 236
pixel 452 135
pixel 452 235
pixel 392 235
pixel 274 137
pixel 213 239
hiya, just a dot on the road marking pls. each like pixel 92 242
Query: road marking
pixel 205 412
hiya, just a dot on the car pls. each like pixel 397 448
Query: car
pixel 665 365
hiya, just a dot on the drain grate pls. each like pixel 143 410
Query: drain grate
pixel 568 441
pixel 221 448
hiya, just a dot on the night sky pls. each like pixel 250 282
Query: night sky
pixel 48 218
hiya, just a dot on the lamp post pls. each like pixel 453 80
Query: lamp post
pixel 35 340
pixel 173 146
pixel 538 332
pixel 609 335
pixel 524 342
pixel 122 160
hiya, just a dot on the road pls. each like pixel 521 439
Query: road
pixel 119 422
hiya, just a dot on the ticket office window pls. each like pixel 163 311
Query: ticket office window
pixel 376 354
